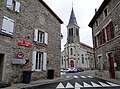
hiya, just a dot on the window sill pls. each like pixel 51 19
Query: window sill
pixel 40 44
pixel 5 34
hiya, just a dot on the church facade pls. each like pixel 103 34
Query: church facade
pixel 76 53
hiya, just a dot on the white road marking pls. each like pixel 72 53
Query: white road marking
pixel 60 86
pixel 77 88
pixel 75 77
pixel 77 85
pixel 112 84
pixel 104 85
pixel 90 76
pixel 86 84
pixel 67 76
pixel 95 85
pixel 82 76
pixel 69 85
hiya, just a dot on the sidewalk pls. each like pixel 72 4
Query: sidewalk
pixel 36 83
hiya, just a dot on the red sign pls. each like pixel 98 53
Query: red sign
pixel 20 55
pixel 25 43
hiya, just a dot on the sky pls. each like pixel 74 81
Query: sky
pixel 84 11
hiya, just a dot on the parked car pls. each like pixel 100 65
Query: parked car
pixel 66 70
pixel 73 70
pixel 79 70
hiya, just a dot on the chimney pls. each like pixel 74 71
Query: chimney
pixel 95 10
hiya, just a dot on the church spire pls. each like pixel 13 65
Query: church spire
pixel 72 20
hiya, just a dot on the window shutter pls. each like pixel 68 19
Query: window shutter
pixel 45 61
pixel 35 34
pixel 46 38
pixel 33 60
pixel 8 25
pixel 9 4
pixel 17 6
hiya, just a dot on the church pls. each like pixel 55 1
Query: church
pixel 76 54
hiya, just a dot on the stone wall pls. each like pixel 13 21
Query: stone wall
pixel 32 15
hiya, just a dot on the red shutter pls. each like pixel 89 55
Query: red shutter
pixel 94 42
pixel 111 30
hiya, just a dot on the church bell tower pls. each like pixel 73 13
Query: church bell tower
pixel 72 29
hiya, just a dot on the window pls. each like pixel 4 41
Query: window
pixel 7 25
pixel 71 51
pixel 96 22
pixel 109 31
pixel 40 37
pixel 39 61
pixel 82 59
pixel 77 32
pixel 100 62
pixel 116 27
pixel 13 5
pixel 105 12
pixel 71 31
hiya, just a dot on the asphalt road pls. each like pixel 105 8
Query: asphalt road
pixel 81 81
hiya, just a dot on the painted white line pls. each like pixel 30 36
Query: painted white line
pixel 75 77
pixel 60 86
pixel 86 84
pixel 112 84
pixel 77 85
pixel 95 85
pixel 90 76
pixel 69 85
pixel 77 88
pixel 82 76
pixel 67 76
pixel 104 85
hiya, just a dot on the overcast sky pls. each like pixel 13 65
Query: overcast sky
pixel 84 11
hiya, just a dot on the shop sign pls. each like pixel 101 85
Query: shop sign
pixel 18 61
pixel 24 43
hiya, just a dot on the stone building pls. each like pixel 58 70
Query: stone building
pixel 76 53
pixel 106 37
pixel 29 40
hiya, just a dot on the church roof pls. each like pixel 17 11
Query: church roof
pixel 72 20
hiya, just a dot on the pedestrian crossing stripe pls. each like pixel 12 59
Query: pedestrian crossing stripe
pixel 67 76
pixel 69 85
pixel 104 85
pixel 60 86
pixel 75 77
pixel 82 76
pixel 95 85
pixel 86 84
pixel 112 84
pixel 77 85
pixel 90 76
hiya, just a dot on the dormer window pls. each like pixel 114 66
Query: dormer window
pixel 105 12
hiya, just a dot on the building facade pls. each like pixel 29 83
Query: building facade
pixel 28 32
pixel 106 37
pixel 76 53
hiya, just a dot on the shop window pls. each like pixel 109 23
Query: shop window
pixel 39 61
pixel 13 5
pixel 40 37
pixel 7 25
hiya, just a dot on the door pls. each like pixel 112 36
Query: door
pixel 111 66
pixel 1 65
pixel 71 63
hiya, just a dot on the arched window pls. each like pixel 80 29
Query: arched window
pixel 71 51
pixel 82 59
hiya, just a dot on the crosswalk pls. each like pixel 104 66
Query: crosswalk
pixel 75 76
pixel 84 84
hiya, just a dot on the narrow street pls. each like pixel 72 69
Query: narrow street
pixel 82 80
